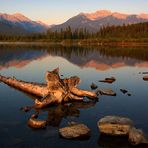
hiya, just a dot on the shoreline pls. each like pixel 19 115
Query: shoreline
pixel 77 43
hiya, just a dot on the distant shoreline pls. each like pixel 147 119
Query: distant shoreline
pixel 78 43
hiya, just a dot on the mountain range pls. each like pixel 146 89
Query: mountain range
pixel 18 23
pixel 93 21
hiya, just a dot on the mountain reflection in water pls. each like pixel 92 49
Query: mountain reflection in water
pixel 101 58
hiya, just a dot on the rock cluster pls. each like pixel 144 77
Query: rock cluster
pixel 122 126
pixel 115 126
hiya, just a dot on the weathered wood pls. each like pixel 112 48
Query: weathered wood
pixel 29 87
pixel 83 93
pixel 35 123
pixel 55 90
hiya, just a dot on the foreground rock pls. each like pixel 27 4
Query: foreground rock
pixel 75 131
pixel 115 125
pixel 145 78
pixel 129 94
pixel 136 137
pixel 108 92
pixel 108 80
pixel 121 126
pixel 124 91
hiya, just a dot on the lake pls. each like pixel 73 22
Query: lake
pixel 91 64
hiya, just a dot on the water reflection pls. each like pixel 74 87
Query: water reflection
pixel 31 63
pixel 55 114
pixel 101 58
pixel 116 142
pixel 19 57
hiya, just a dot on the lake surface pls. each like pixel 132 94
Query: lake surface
pixel 91 64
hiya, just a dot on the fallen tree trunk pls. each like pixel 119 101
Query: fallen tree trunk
pixel 37 89
pixel 56 90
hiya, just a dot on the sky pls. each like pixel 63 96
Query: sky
pixel 58 11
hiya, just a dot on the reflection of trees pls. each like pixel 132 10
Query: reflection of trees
pixel 73 53
pixel 9 56
pixel 139 53
pixel 136 53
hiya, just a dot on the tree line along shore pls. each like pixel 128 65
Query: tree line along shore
pixel 122 35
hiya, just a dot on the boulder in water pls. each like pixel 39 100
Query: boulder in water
pixel 115 125
pixel 75 131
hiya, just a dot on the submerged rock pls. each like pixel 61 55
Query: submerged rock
pixel 108 80
pixel 115 125
pixel 75 131
pixel 129 94
pixel 136 137
pixel 144 72
pixel 145 78
pixel 93 86
pixel 108 92
pixel 26 108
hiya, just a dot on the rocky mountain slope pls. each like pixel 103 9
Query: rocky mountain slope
pixel 18 23
pixel 93 21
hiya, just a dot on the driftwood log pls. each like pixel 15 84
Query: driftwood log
pixel 56 90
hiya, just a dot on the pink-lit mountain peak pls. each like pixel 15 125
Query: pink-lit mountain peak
pixel 20 17
pixel 98 14
pixel 143 15
pixel 20 21
pixel 17 17
pixel 120 15
pixel 105 13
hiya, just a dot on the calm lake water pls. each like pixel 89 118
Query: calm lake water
pixel 90 64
